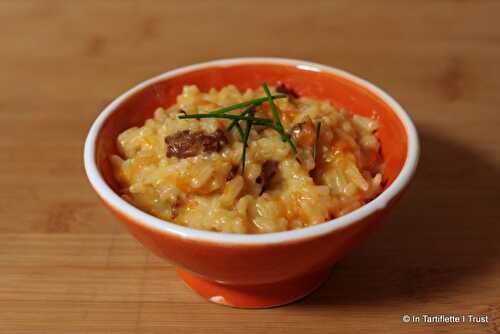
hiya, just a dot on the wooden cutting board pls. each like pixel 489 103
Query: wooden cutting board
pixel 67 266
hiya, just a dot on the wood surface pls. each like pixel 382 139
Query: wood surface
pixel 68 266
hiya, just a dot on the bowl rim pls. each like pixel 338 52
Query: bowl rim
pixel 149 221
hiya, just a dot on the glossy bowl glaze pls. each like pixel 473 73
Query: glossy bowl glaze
pixel 263 270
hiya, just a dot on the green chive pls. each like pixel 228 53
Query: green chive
pixel 284 136
pixel 316 142
pixel 273 107
pixel 248 116
pixel 290 142
pixel 264 121
pixel 240 131
pixel 245 141
pixel 246 104
pixel 234 122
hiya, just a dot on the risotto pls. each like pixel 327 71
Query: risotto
pixel 301 164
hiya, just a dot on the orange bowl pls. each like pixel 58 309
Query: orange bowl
pixel 264 270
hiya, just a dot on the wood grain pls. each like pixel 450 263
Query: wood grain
pixel 67 266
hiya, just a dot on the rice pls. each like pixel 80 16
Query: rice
pixel 277 191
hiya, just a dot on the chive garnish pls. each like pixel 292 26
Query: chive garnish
pixel 245 139
pixel 290 142
pixel 273 108
pixel 234 122
pixel 284 136
pixel 240 130
pixel 256 120
pixel 248 116
pixel 246 104
pixel 316 142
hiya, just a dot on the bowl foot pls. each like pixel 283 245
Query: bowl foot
pixel 255 296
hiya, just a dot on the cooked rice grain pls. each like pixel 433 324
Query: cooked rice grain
pixel 203 192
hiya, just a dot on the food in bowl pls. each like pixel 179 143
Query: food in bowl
pixel 263 160
pixel 278 268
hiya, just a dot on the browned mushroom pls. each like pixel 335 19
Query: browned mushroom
pixel 284 89
pixel 269 170
pixel 303 133
pixel 186 144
